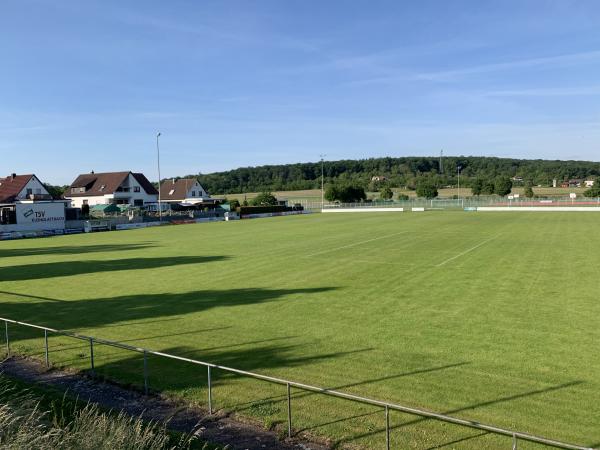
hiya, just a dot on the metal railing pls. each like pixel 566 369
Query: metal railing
pixel 387 406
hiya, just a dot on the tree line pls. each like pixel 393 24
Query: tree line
pixel 375 174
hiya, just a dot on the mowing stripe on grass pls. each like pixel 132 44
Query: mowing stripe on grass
pixel 466 251
pixel 355 244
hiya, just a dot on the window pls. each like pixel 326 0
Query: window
pixel 102 187
pixel 29 191
pixel 77 190
pixel 85 202
pixel 171 191
pixel 193 193
pixel 138 202
pixel 136 189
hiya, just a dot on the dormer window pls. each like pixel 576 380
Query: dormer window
pixel 172 191
pixel 102 187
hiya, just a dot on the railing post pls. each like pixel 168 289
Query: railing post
pixel 145 372
pixel 46 348
pixel 514 447
pixel 92 354
pixel 7 341
pixel 387 428
pixel 289 409
pixel 209 392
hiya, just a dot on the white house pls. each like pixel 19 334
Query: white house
pixel 127 188
pixel 26 205
pixel 186 191
pixel 589 183
pixel 16 188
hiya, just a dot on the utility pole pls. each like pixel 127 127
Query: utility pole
pixel 441 162
pixel 458 169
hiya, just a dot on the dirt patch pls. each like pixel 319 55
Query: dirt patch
pixel 218 429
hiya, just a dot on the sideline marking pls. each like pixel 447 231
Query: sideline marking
pixel 466 251
pixel 355 244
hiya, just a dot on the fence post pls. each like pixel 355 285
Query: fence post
pixel 92 354
pixel 145 372
pixel 387 428
pixel 46 348
pixel 7 341
pixel 209 392
pixel 514 447
pixel 289 410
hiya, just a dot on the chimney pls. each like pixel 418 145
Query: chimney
pixel 92 172
pixel 13 176
pixel 173 180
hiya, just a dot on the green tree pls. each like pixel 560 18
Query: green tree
pixel 403 197
pixel 528 192
pixel 502 186
pixel 386 193
pixel 594 191
pixel 264 199
pixel 346 194
pixel 426 188
pixel 477 186
pixel 233 203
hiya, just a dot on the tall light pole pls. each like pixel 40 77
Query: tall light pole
pixel 322 183
pixel 458 169
pixel 158 161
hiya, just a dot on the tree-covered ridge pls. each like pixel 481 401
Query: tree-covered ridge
pixel 395 172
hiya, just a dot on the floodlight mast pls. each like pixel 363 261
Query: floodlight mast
pixel 322 183
pixel 158 162
pixel 458 169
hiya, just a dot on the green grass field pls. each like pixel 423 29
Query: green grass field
pixel 488 316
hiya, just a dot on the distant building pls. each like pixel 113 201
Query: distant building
pixel 576 182
pixel 120 188
pixel 589 183
pixel 378 178
pixel 22 187
pixel 185 192
pixel 26 205
pixel 554 183
pixel 517 179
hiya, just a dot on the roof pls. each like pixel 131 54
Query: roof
pixel 97 184
pixel 179 187
pixel 11 186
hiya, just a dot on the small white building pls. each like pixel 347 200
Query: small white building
pixel 121 188
pixel 27 206
pixel 185 192
pixel 589 183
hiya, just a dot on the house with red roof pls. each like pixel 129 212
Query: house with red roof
pixel 120 188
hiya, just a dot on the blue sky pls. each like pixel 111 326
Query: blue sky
pixel 85 85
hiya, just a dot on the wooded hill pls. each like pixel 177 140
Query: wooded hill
pixel 372 173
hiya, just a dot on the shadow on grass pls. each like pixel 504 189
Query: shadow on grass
pixel 69 268
pixel 97 312
pixel 466 408
pixel 73 250
pixel 249 405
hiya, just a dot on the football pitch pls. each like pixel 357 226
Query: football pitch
pixel 493 317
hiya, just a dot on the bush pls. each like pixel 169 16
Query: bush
pixel 477 186
pixel 427 189
pixel 264 199
pixel 386 193
pixel 502 186
pixel 345 194
pixel 403 197
pixel 594 191
pixel 528 192
pixel 233 204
